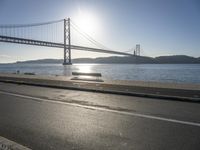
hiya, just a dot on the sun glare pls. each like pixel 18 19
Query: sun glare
pixel 87 22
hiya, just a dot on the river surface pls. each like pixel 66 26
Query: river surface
pixel 175 73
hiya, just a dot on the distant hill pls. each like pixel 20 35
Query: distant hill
pixel 176 59
pixel 115 59
pixel 42 61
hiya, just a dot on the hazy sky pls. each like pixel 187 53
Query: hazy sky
pixel 162 27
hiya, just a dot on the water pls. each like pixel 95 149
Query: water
pixel 175 73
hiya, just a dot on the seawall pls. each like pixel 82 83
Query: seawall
pixel 170 91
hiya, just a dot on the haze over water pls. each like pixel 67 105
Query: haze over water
pixel 174 73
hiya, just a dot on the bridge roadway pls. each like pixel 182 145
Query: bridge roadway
pixel 57 45
pixel 44 118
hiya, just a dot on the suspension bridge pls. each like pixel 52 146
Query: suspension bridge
pixel 51 34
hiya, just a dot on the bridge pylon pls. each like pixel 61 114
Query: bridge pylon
pixel 67 42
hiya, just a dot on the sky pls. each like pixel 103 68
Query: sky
pixel 161 27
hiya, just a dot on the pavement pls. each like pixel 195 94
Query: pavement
pixel 42 118
pixel 171 91
pixel 6 144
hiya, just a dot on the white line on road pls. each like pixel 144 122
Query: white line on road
pixel 105 109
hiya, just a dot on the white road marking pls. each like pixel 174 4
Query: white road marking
pixel 105 109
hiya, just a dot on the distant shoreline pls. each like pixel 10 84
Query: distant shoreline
pixel 174 59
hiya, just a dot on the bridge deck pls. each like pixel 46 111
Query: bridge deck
pixel 56 45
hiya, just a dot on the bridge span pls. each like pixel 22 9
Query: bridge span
pixel 17 34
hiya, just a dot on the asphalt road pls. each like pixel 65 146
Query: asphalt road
pixel 47 118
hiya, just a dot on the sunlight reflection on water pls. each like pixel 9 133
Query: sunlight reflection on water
pixel 182 73
pixel 85 68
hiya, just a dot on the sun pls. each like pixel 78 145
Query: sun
pixel 87 22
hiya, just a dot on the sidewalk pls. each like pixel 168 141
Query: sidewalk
pixel 183 92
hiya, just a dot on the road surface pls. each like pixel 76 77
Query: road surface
pixel 47 118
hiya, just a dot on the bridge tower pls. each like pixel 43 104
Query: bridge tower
pixel 67 42
pixel 137 50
